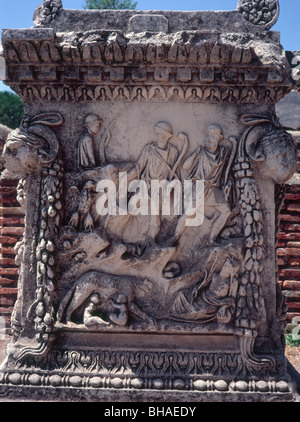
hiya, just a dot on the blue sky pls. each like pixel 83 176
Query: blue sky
pixel 18 14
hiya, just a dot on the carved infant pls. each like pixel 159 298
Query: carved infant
pixel 111 296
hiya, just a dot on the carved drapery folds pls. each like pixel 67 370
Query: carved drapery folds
pixel 150 162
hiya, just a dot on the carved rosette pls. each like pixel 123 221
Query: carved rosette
pixel 47 12
pixel 259 12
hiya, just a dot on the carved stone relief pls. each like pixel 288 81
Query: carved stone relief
pixel 158 93
pixel 86 147
pixel 259 12
pixel 149 191
pixel 47 12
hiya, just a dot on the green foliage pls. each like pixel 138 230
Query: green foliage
pixel 11 109
pixel 292 333
pixel 110 4
pixel 292 341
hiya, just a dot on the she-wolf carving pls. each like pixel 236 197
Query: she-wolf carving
pixel 108 294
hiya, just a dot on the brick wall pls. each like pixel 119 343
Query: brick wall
pixel 11 231
pixel 289 250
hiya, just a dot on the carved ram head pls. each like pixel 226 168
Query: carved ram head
pixel 33 146
pixel 270 147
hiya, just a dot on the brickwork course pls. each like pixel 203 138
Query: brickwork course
pixel 11 232
pixel 288 251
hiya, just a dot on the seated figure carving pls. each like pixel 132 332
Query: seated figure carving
pixel 211 163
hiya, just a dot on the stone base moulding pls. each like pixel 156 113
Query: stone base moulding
pixel 120 372
pixel 236 392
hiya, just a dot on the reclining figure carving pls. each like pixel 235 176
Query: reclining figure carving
pixel 214 298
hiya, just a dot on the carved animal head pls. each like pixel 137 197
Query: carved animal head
pixel 34 146
pixel 270 147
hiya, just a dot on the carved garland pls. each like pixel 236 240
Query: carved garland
pixel 41 311
pixel 35 133
pixel 250 304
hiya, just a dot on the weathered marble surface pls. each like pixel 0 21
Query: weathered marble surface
pixel 139 303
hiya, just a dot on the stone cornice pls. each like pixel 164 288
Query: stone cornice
pixel 43 45
pixel 38 58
